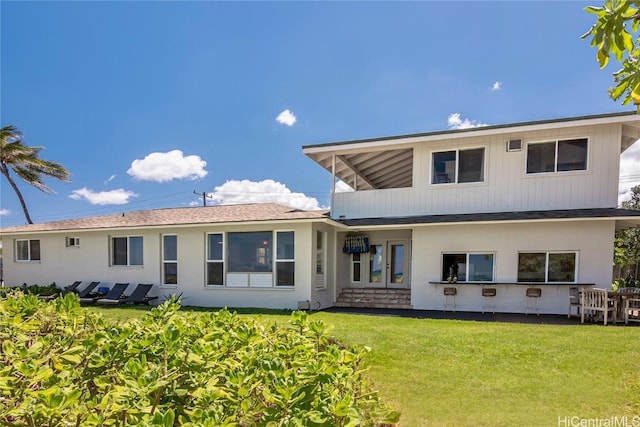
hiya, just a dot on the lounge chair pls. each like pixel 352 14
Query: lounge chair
pixel 139 294
pixel 58 291
pixel 71 288
pixel 115 295
pixel 87 290
pixel 88 295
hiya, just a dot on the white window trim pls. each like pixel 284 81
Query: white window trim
pixel 222 260
pixel 546 263
pixel 322 251
pixel 555 163
pixel 493 272
pixel 68 240
pixel 457 150
pixel 164 261
pixel 352 264
pixel 276 259
pixel 29 260
pixel 128 265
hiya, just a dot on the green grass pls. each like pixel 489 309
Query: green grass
pixel 465 373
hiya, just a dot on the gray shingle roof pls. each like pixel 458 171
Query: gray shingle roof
pixel 177 216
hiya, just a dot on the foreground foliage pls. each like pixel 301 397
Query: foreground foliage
pixel 616 32
pixel 63 365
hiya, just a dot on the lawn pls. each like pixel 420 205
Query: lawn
pixel 466 373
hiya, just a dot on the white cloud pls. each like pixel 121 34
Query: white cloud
pixel 496 86
pixel 164 167
pixel 245 191
pixel 343 187
pixel 111 178
pixel 286 118
pixel 113 197
pixel 629 171
pixel 4 212
pixel 455 122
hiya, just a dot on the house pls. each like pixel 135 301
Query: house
pixel 501 208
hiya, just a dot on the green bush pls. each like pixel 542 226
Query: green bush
pixel 40 289
pixel 62 365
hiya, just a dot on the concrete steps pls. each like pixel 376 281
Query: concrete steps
pixel 374 298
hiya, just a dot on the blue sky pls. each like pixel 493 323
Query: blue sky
pixel 146 102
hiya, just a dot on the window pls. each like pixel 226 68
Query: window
pixel 557 156
pixel 72 242
pixel 458 166
pixel 468 267
pixel 249 252
pixel 547 267
pixel 126 250
pixel 285 258
pixel 215 260
pixel 170 259
pixel 27 250
pixel 320 260
pixel 356 267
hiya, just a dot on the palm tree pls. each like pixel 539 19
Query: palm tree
pixel 26 164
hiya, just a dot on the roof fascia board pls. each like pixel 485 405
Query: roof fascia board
pixel 634 219
pixel 471 133
pixel 160 226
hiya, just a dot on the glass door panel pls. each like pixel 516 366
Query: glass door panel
pixel 377 269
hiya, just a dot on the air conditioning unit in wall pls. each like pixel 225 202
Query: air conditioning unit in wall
pixel 514 145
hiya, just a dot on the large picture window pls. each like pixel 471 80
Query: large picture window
pixel 468 267
pixel 458 166
pixel 170 259
pixel 27 250
pixel 126 250
pixel 557 156
pixel 215 259
pixel 249 252
pixel 251 259
pixel 285 258
pixel 547 267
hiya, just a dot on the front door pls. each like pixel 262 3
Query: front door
pixel 388 265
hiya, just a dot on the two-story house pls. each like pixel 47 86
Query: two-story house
pixel 503 208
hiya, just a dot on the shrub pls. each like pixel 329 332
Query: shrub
pixel 63 365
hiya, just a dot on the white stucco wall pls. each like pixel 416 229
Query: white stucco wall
pixel 90 262
pixel 593 240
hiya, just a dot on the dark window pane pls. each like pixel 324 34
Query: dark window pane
pixel 444 167
pixel 454 265
pixel 171 273
pixel 215 273
pixel 35 250
pixel 135 250
pixel 119 251
pixel 541 157
pixel 562 267
pixel 249 252
pixel 285 245
pixel 285 273
pixel 531 267
pixel 481 267
pixel 356 271
pixel 214 247
pixel 471 165
pixel 572 155
pixel 170 248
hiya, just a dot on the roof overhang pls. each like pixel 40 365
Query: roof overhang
pixel 624 218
